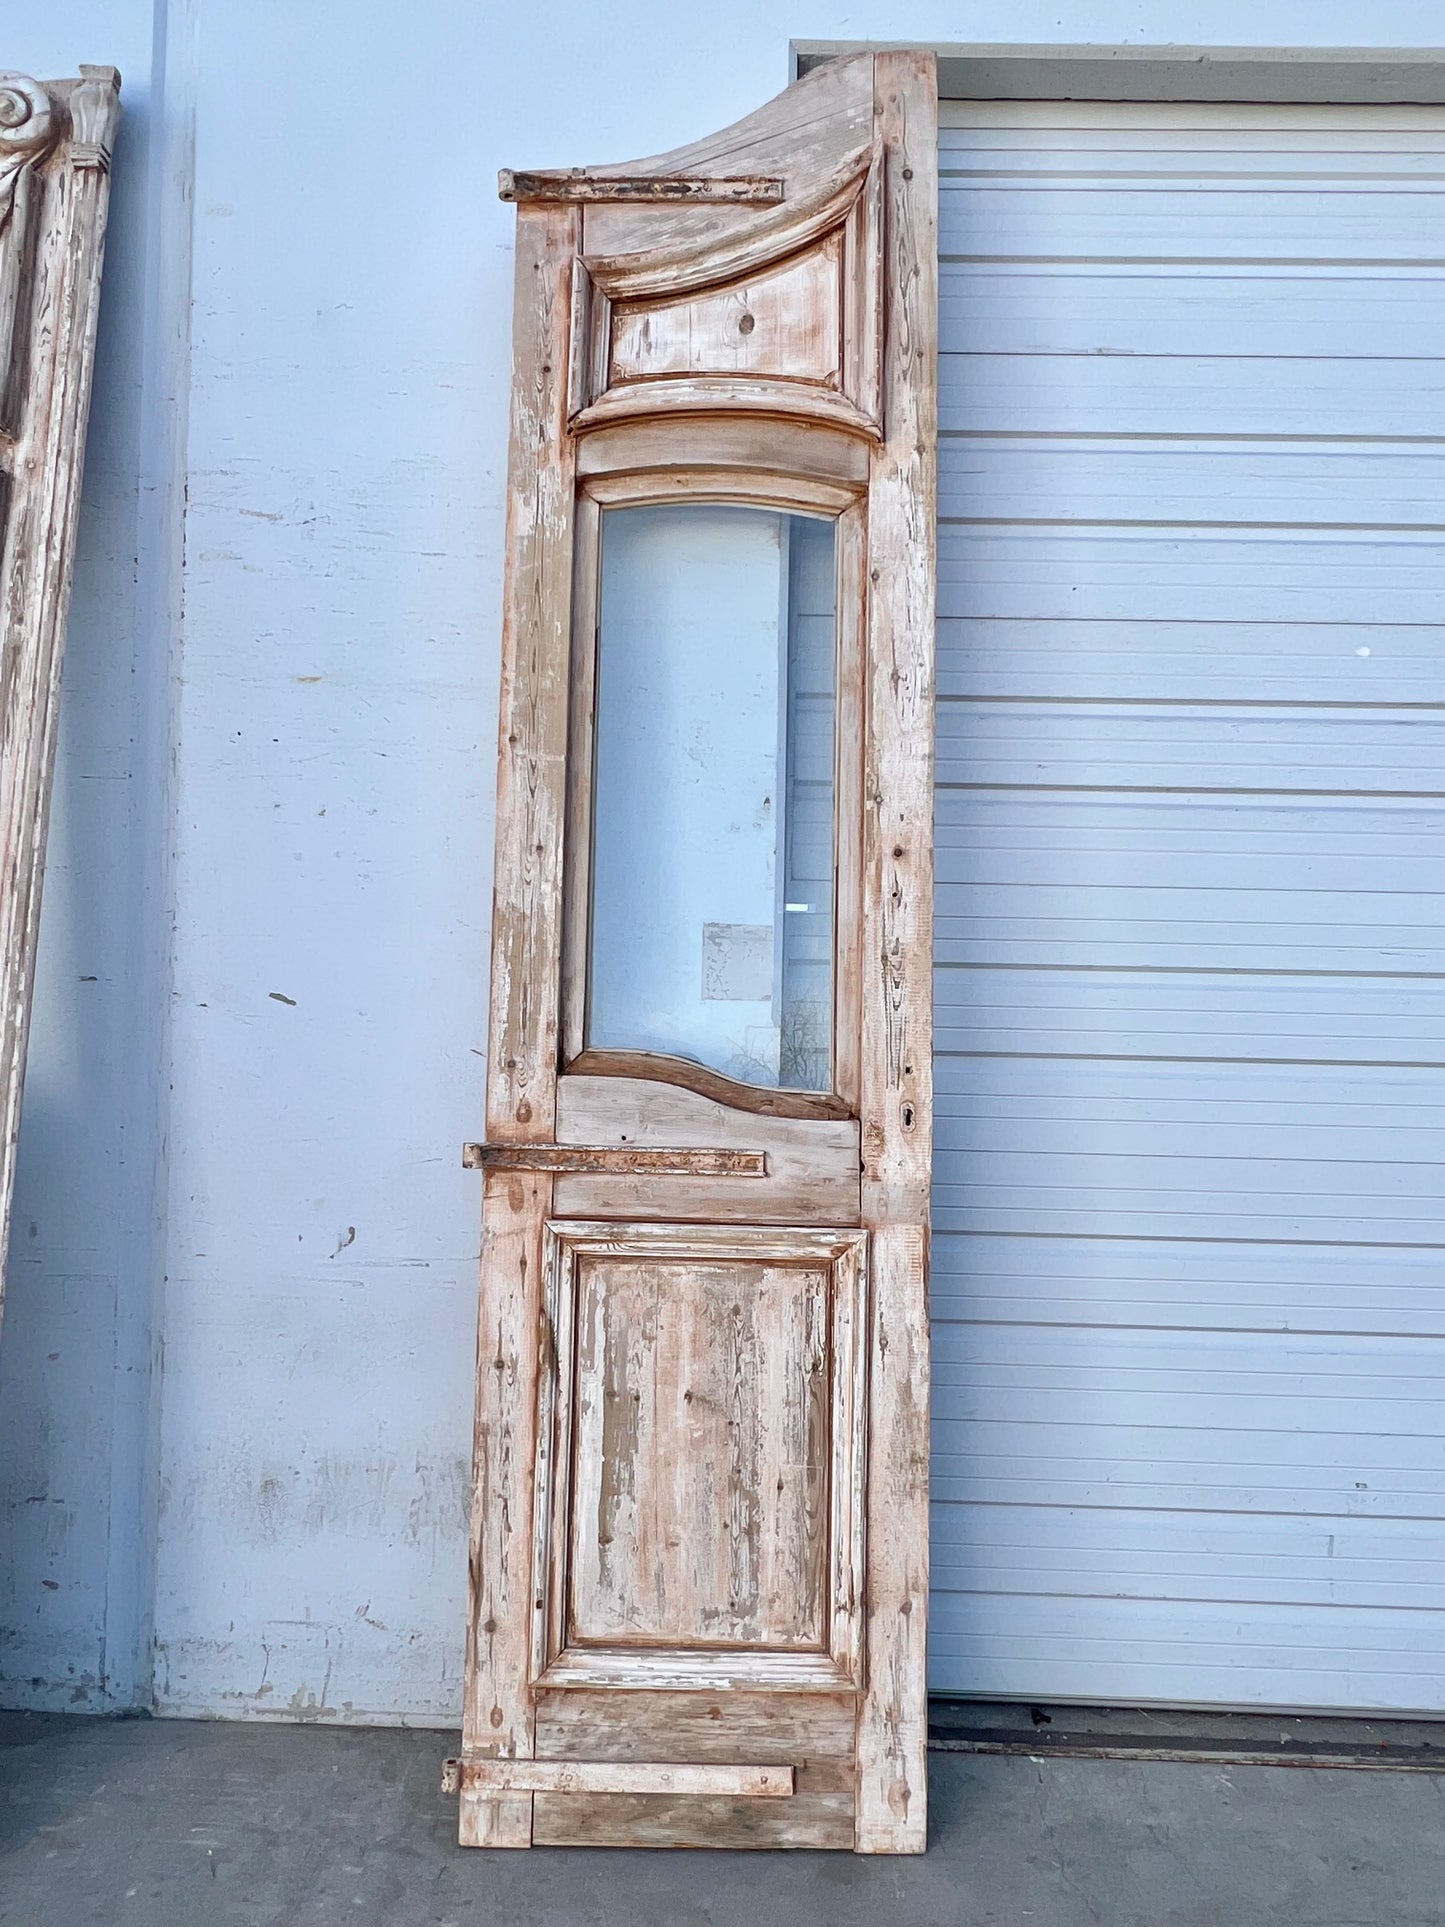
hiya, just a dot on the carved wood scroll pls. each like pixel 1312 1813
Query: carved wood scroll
pixel 699 1546
pixel 55 143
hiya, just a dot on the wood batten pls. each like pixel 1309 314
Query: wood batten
pixel 616 1776
pixel 575 187
pixel 615 1160
pixel 55 143
pixel 698 1591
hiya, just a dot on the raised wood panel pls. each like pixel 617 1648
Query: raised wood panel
pixel 699 1514
pixel 812 1164
pixel 784 322
pixel 700 1455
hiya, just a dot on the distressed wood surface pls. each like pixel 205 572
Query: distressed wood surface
pixel 578 187
pixel 536 629
pixel 897 1049
pixel 699 1514
pixel 611 1160
pixel 784 321
pixel 653 1067
pixel 718 1551
pixel 789 450
pixel 812 1164
pixel 811 1732
pixel 722 1669
pixel 720 393
pixel 641 1820
pixel 817 135
pixel 54 189
pixel 497 1700
pixel 617 1776
pixel 700 483
pixel 699 1454
pixel 523 1037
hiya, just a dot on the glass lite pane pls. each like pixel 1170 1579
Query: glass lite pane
pixel 712 860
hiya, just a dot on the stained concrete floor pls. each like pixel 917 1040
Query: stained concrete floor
pixel 170 1823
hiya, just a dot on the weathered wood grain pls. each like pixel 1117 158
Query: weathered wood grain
pixel 611 1160
pixel 745 445
pixel 700 1455
pixel 897 1050
pixel 811 1732
pixel 580 188
pixel 817 135
pixel 699 1510
pixel 653 1067
pixel 818 1820
pixel 54 190
pixel 497 1700
pixel 784 321
pixel 536 629
pixel 722 393
pixel 617 1776
pixel 812 1164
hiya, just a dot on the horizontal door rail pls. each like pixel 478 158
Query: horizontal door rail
pixel 615 1160
pixel 615 1776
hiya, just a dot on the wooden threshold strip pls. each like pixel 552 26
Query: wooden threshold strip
pixel 615 1160
pixel 574 186
pixel 1342 1755
pixel 616 1776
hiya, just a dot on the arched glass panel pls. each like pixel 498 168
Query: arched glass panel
pixel 712 858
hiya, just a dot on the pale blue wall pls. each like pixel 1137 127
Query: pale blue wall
pixel 273 832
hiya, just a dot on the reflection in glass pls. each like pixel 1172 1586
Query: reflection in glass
pixel 712 860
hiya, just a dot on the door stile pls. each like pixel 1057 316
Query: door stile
pixel 523 1037
pixel 896 1098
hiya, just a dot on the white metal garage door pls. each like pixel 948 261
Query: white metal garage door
pixel 1189 1218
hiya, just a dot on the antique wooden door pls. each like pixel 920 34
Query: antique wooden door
pixel 55 141
pixel 699 1565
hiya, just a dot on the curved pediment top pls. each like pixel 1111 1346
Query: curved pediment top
pixel 791 170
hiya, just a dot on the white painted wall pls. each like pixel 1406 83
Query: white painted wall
pixel 273 833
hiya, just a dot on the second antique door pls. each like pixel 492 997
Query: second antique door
pixel 699 1551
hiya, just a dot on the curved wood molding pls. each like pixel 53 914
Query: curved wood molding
pixel 818 137
pixel 692 301
pixel 791 451
pixel 707 1083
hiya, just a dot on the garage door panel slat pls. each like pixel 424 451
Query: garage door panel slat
pixel 1189 1217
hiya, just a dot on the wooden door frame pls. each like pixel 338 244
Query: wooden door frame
pixel 883 429
pixel 55 144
